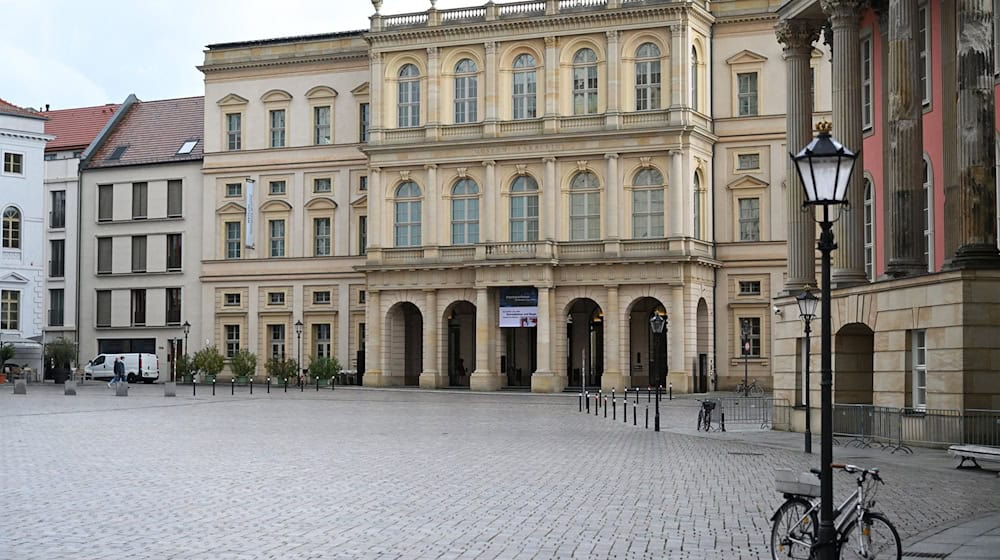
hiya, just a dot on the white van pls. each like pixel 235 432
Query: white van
pixel 137 366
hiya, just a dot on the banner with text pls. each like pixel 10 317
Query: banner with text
pixel 519 307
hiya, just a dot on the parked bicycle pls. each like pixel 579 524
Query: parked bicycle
pixel 860 532
pixel 751 388
pixel 705 414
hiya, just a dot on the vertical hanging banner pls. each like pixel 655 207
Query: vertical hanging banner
pixel 250 212
pixel 519 307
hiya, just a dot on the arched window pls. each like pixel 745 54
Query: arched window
pixel 525 86
pixel 697 202
pixel 524 209
pixel 928 216
pixel 869 232
pixel 11 228
pixel 408 100
pixel 584 82
pixel 465 91
pixel 584 207
pixel 647 77
pixel 465 212
pixel 647 204
pixel 694 78
pixel 408 215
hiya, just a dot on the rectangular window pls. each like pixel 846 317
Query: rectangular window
pixel 918 382
pixel 276 187
pixel 524 94
pixel 321 118
pixel 361 337
pixel 362 235
pixel 276 335
pixel 233 300
pixel 105 203
pixel 750 287
pixel 232 340
pixel 923 46
pixel 749 219
pixel 175 198
pixel 363 183
pixel 234 240
pixel 276 298
pixel 321 228
pixel 647 213
pixel 753 324
pixel 747 94
pixel 174 251
pixel 138 253
pixel 321 298
pixel 277 231
pixel 103 308
pixel 748 161
pixel 364 119
pixel 57 264
pixel 104 255
pixel 362 297
pixel 173 306
pixel 57 216
pixel 866 83
pixel 321 338
pixel 13 163
pixel 57 309
pixel 138 307
pixel 10 310
pixel 139 200
pixel 234 131
pixel 277 121
pixel 322 185
pixel 234 190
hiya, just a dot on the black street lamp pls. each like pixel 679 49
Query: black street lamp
pixel 807 311
pixel 298 337
pixel 745 331
pixel 187 331
pixel 659 325
pixel 825 168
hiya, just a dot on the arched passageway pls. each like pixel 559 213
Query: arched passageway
pixel 460 357
pixel 585 342
pixel 854 364
pixel 647 349
pixel 404 343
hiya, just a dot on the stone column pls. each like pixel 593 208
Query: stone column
pixel 544 380
pixel 612 377
pixel 904 135
pixel 676 337
pixel 973 199
pixel 549 212
pixel 675 188
pixel 429 377
pixel 849 258
pixel 614 74
pixel 488 231
pixel 797 38
pixel 374 353
pixel 492 74
pixel 433 77
pixel 550 106
pixel 679 60
pixel 612 192
pixel 432 200
pixel 482 379
pixel 375 91
pixel 375 208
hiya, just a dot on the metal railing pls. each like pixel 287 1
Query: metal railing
pixel 764 411
pixel 895 429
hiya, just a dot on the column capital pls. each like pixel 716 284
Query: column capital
pixel 843 12
pixel 548 159
pixel 613 35
pixel 490 46
pixel 551 42
pixel 796 34
pixel 430 166
pixel 489 163
pixel 611 155
pixel 432 52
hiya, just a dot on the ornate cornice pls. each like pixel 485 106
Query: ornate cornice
pixel 207 68
pixel 798 34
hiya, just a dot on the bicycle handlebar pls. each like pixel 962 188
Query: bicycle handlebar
pixel 873 472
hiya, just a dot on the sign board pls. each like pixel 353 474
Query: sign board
pixel 519 307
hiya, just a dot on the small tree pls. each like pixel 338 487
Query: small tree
pixel 324 368
pixel 6 354
pixel 182 366
pixel 60 352
pixel 244 363
pixel 279 369
pixel 208 360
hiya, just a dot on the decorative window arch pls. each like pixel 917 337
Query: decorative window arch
pixel 694 78
pixel 525 86
pixel 584 207
pixel 928 182
pixel 647 77
pixel 585 82
pixel 647 204
pixel 11 228
pixel 869 205
pixel 524 209
pixel 408 209
pixel 465 212
pixel 408 99
pixel 466 91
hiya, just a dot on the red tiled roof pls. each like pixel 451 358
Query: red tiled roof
pixel 153 131
pixel 11 109
pixel 75 129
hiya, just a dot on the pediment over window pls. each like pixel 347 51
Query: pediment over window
pixel 275 96
pixel 321 203
pixel 231 208
pixel 361 90
pixel 360 202
pixel 747 182
pixel 13 278
pixel 231 100
pixel 746 57
pixel 321 92
pixel 275 206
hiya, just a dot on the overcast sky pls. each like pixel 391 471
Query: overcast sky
pixel 69 53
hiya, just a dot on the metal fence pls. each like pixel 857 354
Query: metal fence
pixel 894 429
pixel 765 412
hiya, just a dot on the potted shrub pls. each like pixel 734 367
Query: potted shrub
pixel 280 370
pixel 324 369
pixel 59 354
pixel 244 365
pixel 183 369
pixel 208 361
pixel 6 355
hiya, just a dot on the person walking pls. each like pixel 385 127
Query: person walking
pixel 119 369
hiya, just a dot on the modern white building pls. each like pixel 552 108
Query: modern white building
pixel 22 252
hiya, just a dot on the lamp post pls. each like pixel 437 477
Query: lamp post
pixel 298 340
pixel 807 311
pixel 187 331
pixel 825 167
pixel 745 331
pixel 659 325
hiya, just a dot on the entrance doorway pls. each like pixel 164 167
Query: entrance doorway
pixel 461 355
pixel 585 343
pixel 647 350
pixel 519 359
pixel 404 342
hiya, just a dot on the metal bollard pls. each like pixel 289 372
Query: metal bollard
pixel 317 384
pixel 302 383
pixel 635 415
pixel 649 393
pixel 722 419
pixel 637 395
pixel 587 400
pixel 647 417
pixel 625 410
pixel 605 406
pixel 194 387
pixel 670 387
pixel 233 387
pixel 286 384
pixel 268 384
pixel 251 385
pixel 213 387
pixel 614 405
pixel 579 402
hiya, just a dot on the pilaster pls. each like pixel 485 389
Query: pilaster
pixel 489 231
pixel 675 191
pixel 430 377
pixel 549 213
pixel 544 380
pixel 551 69
pixel 614 72
pixel 612 377
pixel 374 352
pixel 612 192
pixel 482 379
pixel 490 94
pixel 431 208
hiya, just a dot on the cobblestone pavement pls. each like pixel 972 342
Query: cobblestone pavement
pixel 361 473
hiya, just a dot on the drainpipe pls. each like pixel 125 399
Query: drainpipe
pixel 715 271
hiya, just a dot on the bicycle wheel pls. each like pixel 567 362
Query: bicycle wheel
pixel 756 390
pixel 878 536
pixel 701 418
pixel 792 530
pixel 708 421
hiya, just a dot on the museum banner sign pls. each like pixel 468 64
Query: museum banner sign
pixel 519 307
